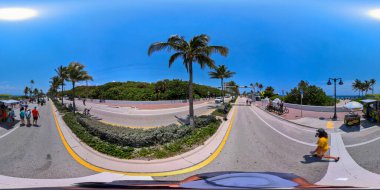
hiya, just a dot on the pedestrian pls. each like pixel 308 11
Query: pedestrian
pixel 84 101
pixel 225 110
pixel 36 115
pixel 28 115
pixel 11 115
pixel 246 102
pixel 323 145
pixel 22 116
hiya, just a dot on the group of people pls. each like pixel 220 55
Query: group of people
pixel 26 114
pixel 7 115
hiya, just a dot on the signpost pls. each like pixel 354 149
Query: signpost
pixel 301 101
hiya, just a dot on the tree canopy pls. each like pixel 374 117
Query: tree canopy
pixel 313 95
pixel 143 91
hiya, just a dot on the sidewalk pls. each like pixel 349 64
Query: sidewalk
pixel 183 163
pixel 319 120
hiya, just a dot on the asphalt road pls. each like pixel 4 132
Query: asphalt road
pixel 254 146
pixel 38 152
pixel 143 120
pixel 366 149
pixel 257 142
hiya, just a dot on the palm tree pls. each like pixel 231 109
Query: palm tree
pixel 62 74
pixel 76 73
pixel 221 72
pixel 55 82
pixel 260 86
pixel 373 82
pixel 26 90
pixel 35 92
pixel 366 86
pixel 31 86
pixel 356 85
pixel 196 50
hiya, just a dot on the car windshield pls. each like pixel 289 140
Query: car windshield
pixel 189 94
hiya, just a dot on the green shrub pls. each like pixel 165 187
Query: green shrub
pixel 95 142
pixel 167 141
pixel 138 137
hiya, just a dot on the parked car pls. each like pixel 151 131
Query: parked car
pixel 218 100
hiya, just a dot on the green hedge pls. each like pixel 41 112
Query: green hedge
pixel 220 110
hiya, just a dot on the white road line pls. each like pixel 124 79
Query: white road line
pixel 279 132
pixel 362 143
pixel 291 125
pixel 9 132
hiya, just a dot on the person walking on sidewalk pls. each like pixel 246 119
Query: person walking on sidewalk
pixel 323 145
pixel 22 116
pixel 28 115
pixel 36 115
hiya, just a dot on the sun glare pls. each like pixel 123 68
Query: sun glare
pixel 13 14
pixel 375 13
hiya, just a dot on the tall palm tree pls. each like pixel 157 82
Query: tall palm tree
pixel 366 86
pixel 197 50
pixel 76 73
pixel 31 87
pixel 62 74
pixel 26 90
pixel 356 85
pixel 221 72
pixel 260 86
pixel 373 82
pixel 55 82
pixel 35 92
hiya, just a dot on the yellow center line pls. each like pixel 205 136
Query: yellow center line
pixel 168 173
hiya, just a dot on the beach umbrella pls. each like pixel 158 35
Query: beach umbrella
pixel 354 106
pixel 277 100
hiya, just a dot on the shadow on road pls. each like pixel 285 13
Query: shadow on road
pixel 308 159
pixel 6 126
pixel 363 124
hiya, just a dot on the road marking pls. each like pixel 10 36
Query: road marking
pixel 341 179
pixel 279 132
pixel 291 124
pixel 362 143
pixel 330 125
pixel 176 172
pixel 9 132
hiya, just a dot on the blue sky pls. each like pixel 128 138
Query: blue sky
pixel 273 42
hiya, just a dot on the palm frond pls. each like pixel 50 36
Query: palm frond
pixel 158 46
pixel 174 57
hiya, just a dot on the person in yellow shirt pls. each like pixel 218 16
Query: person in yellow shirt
pixel 323 145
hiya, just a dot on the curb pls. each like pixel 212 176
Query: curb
pixel 302 125
pixel 206 157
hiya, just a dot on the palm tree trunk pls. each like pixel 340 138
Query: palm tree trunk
pixel 222 92
pixel 62 93
pixel 191 109
pixel 74 97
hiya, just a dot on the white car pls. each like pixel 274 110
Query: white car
pixel 218 100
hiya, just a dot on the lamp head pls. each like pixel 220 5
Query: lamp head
pixel 329 82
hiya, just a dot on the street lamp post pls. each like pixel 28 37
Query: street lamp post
pixel 340 83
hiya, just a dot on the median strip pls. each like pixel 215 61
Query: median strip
pixel 167 166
